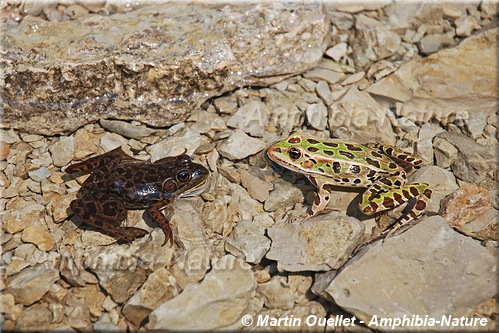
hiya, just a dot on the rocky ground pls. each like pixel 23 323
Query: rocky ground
pixel 421 77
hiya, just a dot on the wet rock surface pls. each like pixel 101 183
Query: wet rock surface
pixel 242 247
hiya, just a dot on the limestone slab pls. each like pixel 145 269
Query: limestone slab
pixel 154 64
pixel 420 272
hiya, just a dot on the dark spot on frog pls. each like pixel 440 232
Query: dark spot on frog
pixel 414 191
pixel 331 144
pixel 372 162
pixel 347 154
pixel 109 209
pixel 312 141
pixel 353 147
pixel 312 149
pixel 354 168
pixel 91 208
pixel 336 167
pixel 398 197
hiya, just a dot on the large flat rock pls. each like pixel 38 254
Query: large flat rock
pixel 155 64
pixel 429 270
pixel 454 83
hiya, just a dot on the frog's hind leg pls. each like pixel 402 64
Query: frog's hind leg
pixel 423 199
pixel 106 217
pixel 407 161
pixel 110 158
pixel 381 196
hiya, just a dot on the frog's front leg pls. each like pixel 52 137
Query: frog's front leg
pixel 384 194
pixel 106 217
pixel 155 214
pixel 323 195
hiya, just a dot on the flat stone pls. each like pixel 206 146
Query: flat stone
pixel 466 25
pixel 445 152
pixel 215 214
pixel 175 145
pixel 317 116
pixel 248 242
pixel 109 141
pixel 251 118
pixel 353 78
pixel 85 143
pixel 474 162
pixel 390 279
pixel 338 51
pixel 318 74
pixel 35 318
pixel 161 63
pixel 277 293
pixel 242 203
pixel 7 302
pixel 22 213
pixel 9 136
pixel 435 42
pixel 62 151
pixel 283 196
pixel 41 237
pixel 104 324
pixel 239 145
pixel 159 287
pixel 469 210
pixel 372 41
pixel 361 117
pixel 317 244
pixel 324 92
pixel 470 87
pixel 39 174
pixel 15 266
pixel 121 269
pixel 226 104
pixel 192 262
pixel 257 188
pixel 59 204
pixel 30 285
pixel 126 129
pixel 220 300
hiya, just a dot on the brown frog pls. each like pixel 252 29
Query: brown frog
pixel 119 182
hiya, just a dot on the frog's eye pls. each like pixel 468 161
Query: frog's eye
pixel 294 153
pixel 183 176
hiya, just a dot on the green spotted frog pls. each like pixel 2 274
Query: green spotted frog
pixel 119 182
pixel 380 168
